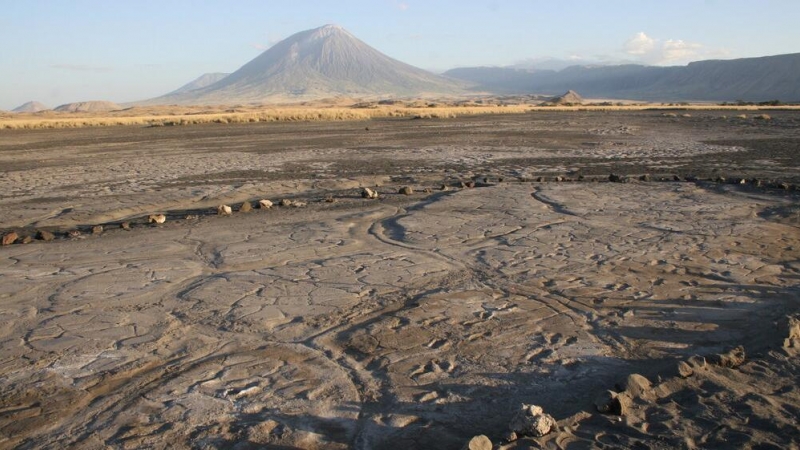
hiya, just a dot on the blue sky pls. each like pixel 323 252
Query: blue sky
pixel 59 51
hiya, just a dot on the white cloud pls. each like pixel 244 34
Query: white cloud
pixel 651 50
pixel 640 44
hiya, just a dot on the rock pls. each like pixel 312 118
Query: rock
pixel 732 358
pixel 479 442
pixel 468 184
pixel 696 362
pixel 686 115
pixel 26 239
pixel 645 177
pixel 636 386
pixel 755 182
pixel 224 210
pixel 157 218
pixel 330 199
pixel 246 207
pixel 791 331
pixel 286 202
pixel 298 204
pixel 677 178
pixel 444 188
pixel 74 233
pixel 427 190
pixel 369 193
pixel 610 402
pixel 685 370
pixel 10 238
pixel 540 180
pixel 742 116
pixel 762 117
pixel 615 178
pixel 192 217
pixel 532 421
pixel 125 225
pixel 265 204
pixel 97 229
pixel 406 190
pixel 783 185
pixel 44 235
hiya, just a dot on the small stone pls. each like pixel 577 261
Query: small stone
pixel 157 218
pixel 298 204
pixel 246 207
pixel 286 202
pixel 468 184
pixel 762 117
pixel 265 204
pixel 677 178
pixel 427 190
pixel 224 210
pixel 330 199
pixel 444 188
pixel 540 180
pixel 645 177
pixel 532 421
pixel 636 386
pixel 44 235
pixel 406 190
pixel 27 239
pixel 10 238
pixel 784 186
pixel 614 178
pixel 369 193
pixel 732 358
pixel 480 442
pixel 192 217
pixel 73 233
pixel 696 362
pixel 125 225
pixel 685 370
pixel 97 229
pixel 610 402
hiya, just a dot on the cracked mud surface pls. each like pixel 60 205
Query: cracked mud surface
pixel 406 322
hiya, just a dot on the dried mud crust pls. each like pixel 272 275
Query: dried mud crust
pixel 412 324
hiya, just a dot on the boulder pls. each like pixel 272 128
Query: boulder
pixel 369 193
pixel 685 370
pixel 10 238
pixel 531 420
pixel 156 218
pixel 246 207
pixel 406 190
pixel 224 210
pixel 44 235
pixel 480 442
pixel 265 204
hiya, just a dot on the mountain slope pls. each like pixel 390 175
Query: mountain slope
pixel 323 62
pixel 751 79
pixel 204 80
pixel 92 106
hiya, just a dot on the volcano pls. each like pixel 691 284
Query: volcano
pixel 320 63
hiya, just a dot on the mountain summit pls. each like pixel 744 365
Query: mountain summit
pixel 323 62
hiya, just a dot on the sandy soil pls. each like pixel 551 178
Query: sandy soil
pixel 411 321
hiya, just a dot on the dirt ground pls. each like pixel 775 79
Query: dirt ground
pixel 407 321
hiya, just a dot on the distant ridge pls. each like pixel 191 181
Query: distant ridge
pixel 207 79
pixel 319 63
pixel 93 106
pixel 750 79
pixel 30 107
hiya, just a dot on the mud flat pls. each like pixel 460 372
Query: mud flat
pixel 407 321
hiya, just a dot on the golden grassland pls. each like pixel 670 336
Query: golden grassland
pixel 177 115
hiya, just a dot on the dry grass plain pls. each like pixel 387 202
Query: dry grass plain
pixel 408 321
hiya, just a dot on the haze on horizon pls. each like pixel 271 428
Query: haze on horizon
pixel 91 50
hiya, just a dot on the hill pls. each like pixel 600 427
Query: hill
pixel 30 107
pixel 92 106
pixel 750 79
pixel 313 64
